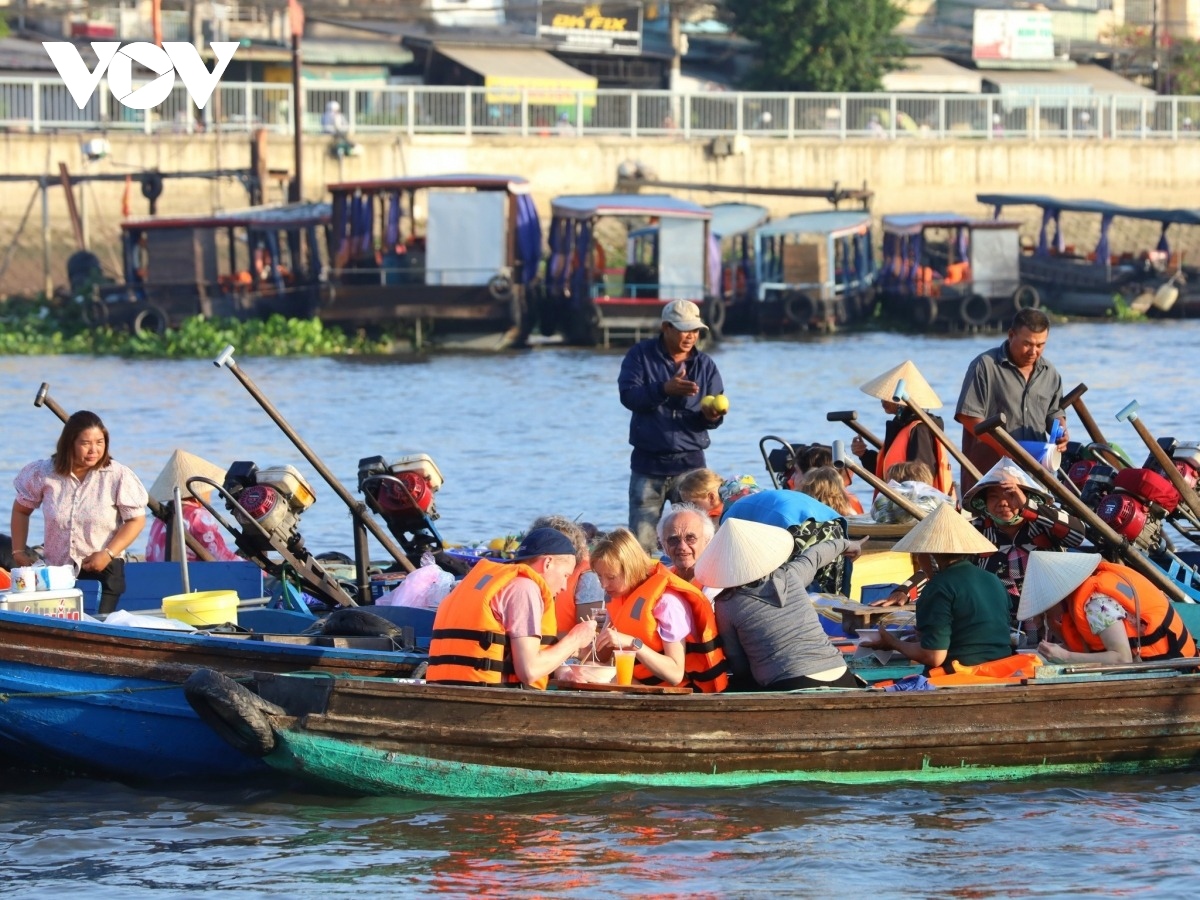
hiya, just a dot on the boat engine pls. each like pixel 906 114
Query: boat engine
pixel 1094 480
pixel 274 498
pixel 1137 505
pixel 403 493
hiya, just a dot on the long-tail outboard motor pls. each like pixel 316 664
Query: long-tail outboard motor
pixel 402 492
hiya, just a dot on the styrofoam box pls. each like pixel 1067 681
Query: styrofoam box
pixel 66 604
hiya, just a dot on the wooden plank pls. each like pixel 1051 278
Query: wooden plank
pixel 619 688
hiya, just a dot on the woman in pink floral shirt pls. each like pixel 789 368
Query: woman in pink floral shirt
pixel 93 507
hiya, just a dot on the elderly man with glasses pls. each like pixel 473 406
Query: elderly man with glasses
pixel 683 533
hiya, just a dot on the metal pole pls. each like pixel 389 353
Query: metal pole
pixel 850 418
pixel 296 190
pixel 180 539
pixel 1129 414
pixel 1074 400
pixel 357 507
pixel 841 461
pixel 901 396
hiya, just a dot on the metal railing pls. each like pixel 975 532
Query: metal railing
pixel 44 104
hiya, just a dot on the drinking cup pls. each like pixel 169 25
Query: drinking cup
pixel 623 660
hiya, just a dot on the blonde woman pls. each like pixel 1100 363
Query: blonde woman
pixel 825 483
pixel 667 622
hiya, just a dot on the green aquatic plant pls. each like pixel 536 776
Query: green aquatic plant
pixel 1123 312
pixel 39 327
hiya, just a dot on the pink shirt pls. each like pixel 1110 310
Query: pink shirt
pixel 200 525
pixel 519 607
pixel 674 618
pixel 81 516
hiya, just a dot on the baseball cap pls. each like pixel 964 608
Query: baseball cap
pixel 683 315
pixel 543 542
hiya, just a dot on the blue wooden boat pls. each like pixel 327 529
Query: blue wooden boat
pixel 108 700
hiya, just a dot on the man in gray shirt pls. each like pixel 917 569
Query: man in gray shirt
pixel 1016 380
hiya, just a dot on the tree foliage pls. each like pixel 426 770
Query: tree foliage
pixel 819 45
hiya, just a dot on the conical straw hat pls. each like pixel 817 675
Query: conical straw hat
pixel 1004 470
pixel 179 468
pixel 944 531
pixel 1050 576
pixel 883 387
pixel 743 551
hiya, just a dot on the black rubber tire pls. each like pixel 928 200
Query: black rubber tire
pixel 147 321
pixel 83 267
pixel 924 311
pixel 799 309
pixel 1026 297
pixel 95 313
pixel 500 287
pixel 714 316
pixel 236 714
pixel 975 310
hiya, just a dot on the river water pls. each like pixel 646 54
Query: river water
pixel 543 431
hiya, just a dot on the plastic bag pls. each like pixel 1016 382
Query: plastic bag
pixel 425 589
pixel 920 494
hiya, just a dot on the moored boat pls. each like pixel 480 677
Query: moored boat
pixel 364 735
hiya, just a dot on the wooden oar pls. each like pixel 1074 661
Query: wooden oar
pixel 901 396
pixel 849 417
pixel 1129 414
pixel 43 398
pixel 841 461
pixel 1074 400
pixel 1130 554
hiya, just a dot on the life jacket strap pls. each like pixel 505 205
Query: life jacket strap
pixel 486 639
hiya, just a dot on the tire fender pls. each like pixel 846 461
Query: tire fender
pixel 799 309
pixel 924 311
pixel 1026 297
pixel 975 310
pixel 714 316
pixel 500 287
pixel 239 716
pixel 150 320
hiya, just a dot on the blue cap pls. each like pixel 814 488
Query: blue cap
pixel 544 542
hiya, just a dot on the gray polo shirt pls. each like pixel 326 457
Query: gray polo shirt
pixel 994 385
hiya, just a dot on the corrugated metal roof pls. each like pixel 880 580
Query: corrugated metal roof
pixel 513 62
pixel 584 206
pixel 1088 79
pixel 830 222
pixel 934 75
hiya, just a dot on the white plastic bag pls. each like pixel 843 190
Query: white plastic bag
pixel 425 588
pixel 925 496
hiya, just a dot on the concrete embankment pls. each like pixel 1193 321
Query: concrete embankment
pixel 906 175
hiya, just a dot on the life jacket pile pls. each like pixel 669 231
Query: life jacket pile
pixel 705 668
pixel 469 644
pixel 1151 623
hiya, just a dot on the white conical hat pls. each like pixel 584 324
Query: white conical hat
pixel 1050 576
pixel 1005 470
pixel 884 386
pixel 743 551
pixel 944 531
pixel 179 468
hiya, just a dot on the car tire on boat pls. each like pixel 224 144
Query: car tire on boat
pixel 714 316
pixel 235 713
pixel 924 311
pixel 799 309
pixel 500 287
pixel 150 320
pixel 95 313
pixel 975 310
pixel 1026 297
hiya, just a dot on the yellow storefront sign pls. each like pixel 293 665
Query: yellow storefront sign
pixel 540 91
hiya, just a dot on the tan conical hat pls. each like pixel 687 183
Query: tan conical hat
pixel 1050 576
pixel 944 531
pixel 883 386
pixel 179 468
pixel 743 551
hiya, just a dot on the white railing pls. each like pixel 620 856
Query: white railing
pixel 44 104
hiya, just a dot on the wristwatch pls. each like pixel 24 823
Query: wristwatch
pixel 636 645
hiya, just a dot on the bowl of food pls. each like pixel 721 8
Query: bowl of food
pixel 590 673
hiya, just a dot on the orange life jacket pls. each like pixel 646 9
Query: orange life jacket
pixel 897 452
pixel 565 613
pixel 469 644
pixel 1154 629
pixel 1008 670
pixel 704 663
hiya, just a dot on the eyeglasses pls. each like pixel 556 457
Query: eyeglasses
pixel 675 540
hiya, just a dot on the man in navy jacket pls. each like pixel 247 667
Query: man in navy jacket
pixel 662 382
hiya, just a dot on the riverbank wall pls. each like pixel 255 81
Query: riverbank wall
pixel 906 175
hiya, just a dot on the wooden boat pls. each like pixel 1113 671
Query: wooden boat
pixel 372 735
pixel 463 279
pixel 1098 283
pixel 948 271
pixel 814 271
pixel 246 263
pixel 108 699
pixel 591 303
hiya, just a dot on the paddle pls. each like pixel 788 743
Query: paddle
pixel 1129 414
pixel 849 417
pixel 995 427
pixel 43 398
pixel 1074 400
pixel 901 396
pixel 841 461
pixel 359 510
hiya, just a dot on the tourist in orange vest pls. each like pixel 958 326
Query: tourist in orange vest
pixel 497 626
pixel 583 587
pixel 683 533
pixel 667 622
pixel 1104 612
pixel 905 437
